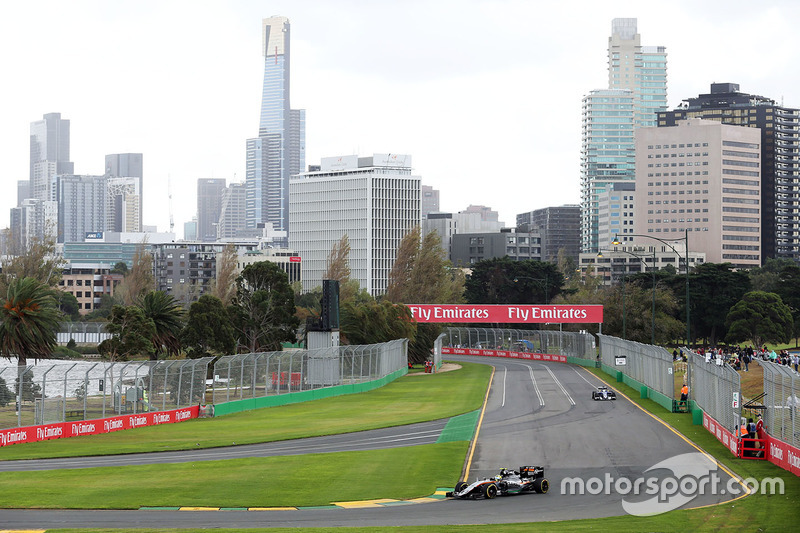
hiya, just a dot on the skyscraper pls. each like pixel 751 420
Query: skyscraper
pixel 779 161
pixel 81 206
pixel 637 91
pixel 49 154
pixel 279 150
pixel 128 166
pixel 209 205
pixel 232 215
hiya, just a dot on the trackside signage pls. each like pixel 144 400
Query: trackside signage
pixel 507 314
pixel 446 350
pixel 94 427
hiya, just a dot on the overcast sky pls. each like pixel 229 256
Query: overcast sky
pixel 484 95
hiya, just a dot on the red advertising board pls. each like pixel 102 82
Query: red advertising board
pixel 94 427
pixel 723 435
pixel 784 455
pixel 507 314
pixel 505 353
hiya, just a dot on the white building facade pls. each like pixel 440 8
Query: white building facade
pixel 375 201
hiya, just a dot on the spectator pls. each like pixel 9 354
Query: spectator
pixel 746 361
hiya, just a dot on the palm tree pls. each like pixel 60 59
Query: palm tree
pixel 167 316
pixel 29 323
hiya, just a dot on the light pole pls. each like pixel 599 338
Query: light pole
pixel 616 242
pixel 653 312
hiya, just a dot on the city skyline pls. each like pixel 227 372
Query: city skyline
pixel 395 77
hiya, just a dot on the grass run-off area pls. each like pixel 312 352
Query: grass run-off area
pixel 438 465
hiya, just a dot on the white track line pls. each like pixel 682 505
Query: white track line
pixel 583 378
pixel 536 387
pixel 505 373
pixel 560 385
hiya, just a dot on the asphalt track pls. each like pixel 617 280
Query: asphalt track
pixel 536 413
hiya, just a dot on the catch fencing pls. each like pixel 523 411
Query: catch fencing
pixel 575 345
pixel 63 392
pixel 716 389
pixel 257 375
pixel 782 398
pixel 644 365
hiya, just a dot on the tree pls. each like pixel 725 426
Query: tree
pixel 760 317
pixel 29 323
pixel 505 281
pixel 102 311
pixel 131 334
pixel 422 274
pixel 263 312
pixel 120 267
pixel 6 395
pixel 374 322
pixel 166 314
pixel 337 268
pixel 208 329
pixel 139 279
pixel 38 261
pixel 68 304
pixel 714 289
pixel 224 286
pixel 788 289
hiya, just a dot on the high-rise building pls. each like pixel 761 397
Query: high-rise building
pixel 23 190
pixel 375 201
pixel 233 212
pixel 209 206
pixel 190 230
pixel 33 220
pixel 559 229
pixel 50 152
pixel 81 206
pixel 607 154
pixel 779 162
pixel 128 165
pixel 703 177
pixel 124 205
pixel 279 150
pixel 430 201
pixel 639 69
pixel 637 91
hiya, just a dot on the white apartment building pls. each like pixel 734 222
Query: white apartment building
pixel 704 177
pixel 375 201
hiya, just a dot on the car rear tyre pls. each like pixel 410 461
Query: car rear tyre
pixel 490 491
pixel 541 485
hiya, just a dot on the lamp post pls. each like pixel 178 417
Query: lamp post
pixel 616 242
pixel 653 312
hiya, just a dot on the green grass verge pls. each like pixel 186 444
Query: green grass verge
pixel 303 480
pixel 410 399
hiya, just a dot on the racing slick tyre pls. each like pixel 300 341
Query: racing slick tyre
pixel 594 396
pixel 490 491
pixel 460 486
pixel 541 485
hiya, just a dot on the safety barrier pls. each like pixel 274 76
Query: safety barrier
pixel 578 348
pixel 94 427
pixel 716 389
pixel 782 398
pixel 646 368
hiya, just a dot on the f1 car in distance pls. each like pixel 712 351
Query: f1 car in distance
pixel 603 393
pixel 526 479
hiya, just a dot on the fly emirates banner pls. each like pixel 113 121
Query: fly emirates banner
pixel 506 314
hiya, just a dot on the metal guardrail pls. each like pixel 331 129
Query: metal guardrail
pixel 82 332
pixel 782 388
pixel 579 345
pixel 650 365
pixel 255 375
pixel 716 389
pixel 85 390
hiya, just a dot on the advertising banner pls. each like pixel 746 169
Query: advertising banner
pixel 95 427
pixel 784 455
pixel 723 435
pixel 505 353
pixel 507 314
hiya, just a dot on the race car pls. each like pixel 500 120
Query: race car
pixel 526 479
pixel 603 393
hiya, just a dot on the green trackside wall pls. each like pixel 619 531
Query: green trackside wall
pixel 581 362
pixel 237 406
pixel 644 390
